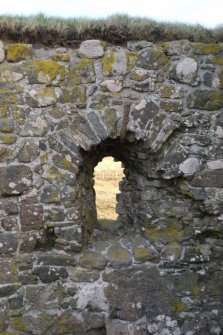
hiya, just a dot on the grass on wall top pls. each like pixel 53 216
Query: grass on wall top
pixel 114 29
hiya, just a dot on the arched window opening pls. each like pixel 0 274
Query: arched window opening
pixel 107 176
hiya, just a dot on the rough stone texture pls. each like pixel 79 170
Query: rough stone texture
pixel 31 217
pixel 185 71
pixel 93 260
pixel 2 52
pixel 15 179
pixel 158 268
pixel 19 51
pixel 111 86
pixel 118 256
pixel 91 49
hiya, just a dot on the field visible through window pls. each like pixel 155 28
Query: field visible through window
pixel 108 174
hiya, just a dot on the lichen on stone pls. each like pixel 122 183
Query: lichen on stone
pixel 47 71
pixel 207 49
pixel 108 61
pixel 215 60
pixel 18 52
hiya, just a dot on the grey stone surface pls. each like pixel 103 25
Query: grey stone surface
pixel 185 71
pixel 15 179
pixel 93 260
pixel 158 268
pixel 91 49
pixel 2 52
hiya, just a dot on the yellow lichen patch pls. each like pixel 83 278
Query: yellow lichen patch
pixel 178 307
pixel 76 94
pixel 20 88
pixel 119 253
pixel 43 158
pixel 53 175
pixel 13 268
pixel 61 57
pixel 67 164
pixel 19 324
pixel 215 60
pixel 19 51
pixel 4 110
pixel 166 91
pixel 8 96
pixel 171 106
pixel 206 49
pixel 143 254
pixel 108 61
pixel 82 72
pixel 46 71
pixel 8 139
pixel 18 116
pixel 8 333
pixel 196 291
pixel 172 233
pixel 132 58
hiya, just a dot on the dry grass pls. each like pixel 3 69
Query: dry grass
pixel 114 29
pixel 107 176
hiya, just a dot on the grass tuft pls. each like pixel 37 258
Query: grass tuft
pixel 117 28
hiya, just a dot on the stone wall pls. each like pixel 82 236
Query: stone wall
pixel 159 110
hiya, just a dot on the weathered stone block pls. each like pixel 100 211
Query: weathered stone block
pixel 55 214
pixel 43 97
pixel 29 323
pixel 171 106
pixel 31 217
pixel 185 71
pixel 152 59
pixel 57 259
pixel 209 178
pixel 93 260
pixel 2 52
pixel 138 45
pixel 207 49
pixel 46 72
pixel 48 274
pixel 50 194
pixel 15 179
pixel 19 51
pixel 100 130
pixel 8 273
pixel 29 152
pixel 91 49
pixel 142 117
pixel 74 94
pixel 206 99
pixel 81 72
pixel 28 243
pixel 16 303
pixel 114 62
pixel 67 323
pixel 9 223
pixel 189 166
pixel 118 256
pixel 112 86
pixel 6 125
pixel 143 254
pixel 215 60
pixel 79 275
pixel 8 290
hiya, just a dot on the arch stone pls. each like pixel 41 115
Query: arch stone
pixel 157 109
